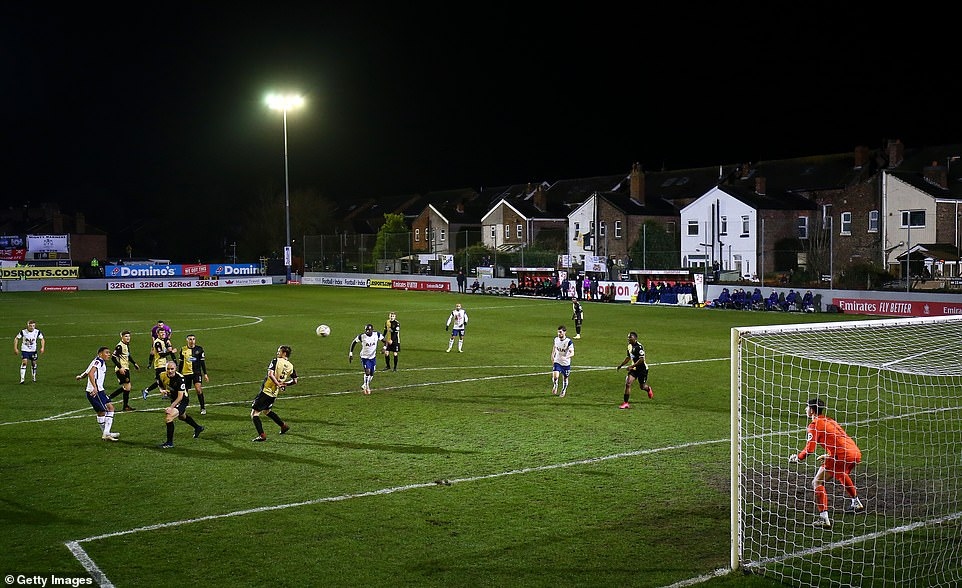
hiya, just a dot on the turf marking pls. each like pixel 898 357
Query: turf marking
pixel 102 580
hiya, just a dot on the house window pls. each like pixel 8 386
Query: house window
pixel 417 235
pixel 670 227
pixel 602 227
pixel 803 227
pixel 826 216
pixel 692 228
pixel 443 232
pixel 846 222
pixel 520 232
pixel 577 230
pixel 494 232
pixel 618 229
pixel 723 226
pixel 913 219
pixel 507 231
pixel 873 221
pixel 745 225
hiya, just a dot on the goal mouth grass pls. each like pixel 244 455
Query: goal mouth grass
pixel 895 386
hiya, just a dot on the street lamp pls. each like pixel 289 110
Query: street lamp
pixel 285 103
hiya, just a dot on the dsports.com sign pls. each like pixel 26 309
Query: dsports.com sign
pixel 39 273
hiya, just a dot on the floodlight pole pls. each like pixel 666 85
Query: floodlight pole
pixel 288 255
pixel 285 103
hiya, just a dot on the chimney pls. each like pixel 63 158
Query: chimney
pixel 460 207
pixel 936 174
pixel 896 151
pixel 861 156
pixel 540 198
pixel 760 185
pixel 81 223
pixel 637 184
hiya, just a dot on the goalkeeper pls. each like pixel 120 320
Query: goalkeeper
pixel 840 459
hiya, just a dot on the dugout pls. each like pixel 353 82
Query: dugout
pixel 536 281
pixel 664 286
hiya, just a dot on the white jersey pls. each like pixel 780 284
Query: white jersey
pixel 99 368
pixel 29 339
pixel 564 350
pixel 458 319
pixel 369 344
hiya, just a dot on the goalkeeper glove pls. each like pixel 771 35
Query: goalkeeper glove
pixel 793 458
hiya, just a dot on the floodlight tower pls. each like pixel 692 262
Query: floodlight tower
pixel 285 102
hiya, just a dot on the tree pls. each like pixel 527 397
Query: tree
pixel 393 239
pixel 818 248
pixel 656 248
pixel 264 230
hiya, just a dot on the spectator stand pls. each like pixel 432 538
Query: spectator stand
pixel 780 301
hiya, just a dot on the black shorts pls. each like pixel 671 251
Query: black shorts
pixel 394 345
pixel 640 374
pixel 123 377
pixel 182 405
pixel 189 380
pixel 263 402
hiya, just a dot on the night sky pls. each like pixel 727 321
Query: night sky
pixel 119 113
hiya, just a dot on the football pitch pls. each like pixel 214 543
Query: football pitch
pixel 460 469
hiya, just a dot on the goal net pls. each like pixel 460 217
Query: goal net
pixel 895 386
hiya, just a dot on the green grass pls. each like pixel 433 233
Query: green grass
pixel 543 491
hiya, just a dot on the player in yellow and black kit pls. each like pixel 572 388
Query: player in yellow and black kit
pixel 160 353
pixel 173 382
pixel 392 339
pixel 280 375
pixel 122 362
pixel 193 365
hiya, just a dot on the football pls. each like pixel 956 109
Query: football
pixel 322 330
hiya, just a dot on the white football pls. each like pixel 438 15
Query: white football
pixel 322 330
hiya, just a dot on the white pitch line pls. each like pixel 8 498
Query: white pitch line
pixel 74 546
pixel 254 320
pixel 101 578
pixel 84 412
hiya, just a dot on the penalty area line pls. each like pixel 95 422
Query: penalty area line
pixel 75 548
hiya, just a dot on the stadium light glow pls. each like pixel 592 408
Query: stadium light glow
pixel 285 102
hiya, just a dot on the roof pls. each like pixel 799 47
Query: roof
pixel 683 185
pixel 769 200
pixel 571 193
pixel 940 251
pixel 652 206
pixel 923 184
pixel 459 207
pixel 807 174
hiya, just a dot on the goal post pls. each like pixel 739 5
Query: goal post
pixel 895 386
